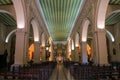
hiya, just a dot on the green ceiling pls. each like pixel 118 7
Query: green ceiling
pixel 5 2
pixel 114 2
pixel 113 17
pixel 6 18
pixel 60 16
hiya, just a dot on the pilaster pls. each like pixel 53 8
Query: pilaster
pixel 84 55
pixel 73 55
pixel 76 54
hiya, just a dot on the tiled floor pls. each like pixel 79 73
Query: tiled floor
pixel 61 73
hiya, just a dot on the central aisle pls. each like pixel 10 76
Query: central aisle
pixel 61 73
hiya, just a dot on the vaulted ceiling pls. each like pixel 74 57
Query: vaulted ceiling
pixel 113 17
pixel 60 16
pixel 114 2
pixel 5 2
pixel 5 17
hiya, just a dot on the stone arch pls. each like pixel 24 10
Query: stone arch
pixel 3 11
pixel 100 47
pixel 6 12
pixel 110 45
pixel 20 16
pixel 84 55
pixel 110 36
pixel 86 24
pixel 112 20
pixel 35 29
pixel 102 8
pixel 9 35
pixel 9 47
pixel 32 48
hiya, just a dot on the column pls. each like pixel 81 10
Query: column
pixel 36 56
pixel 26 49
pixel 84 56
pixel 73 55
pixel 20 47
pixel 8 49
pixel 101 55
pixel 76 53
pixel 41 50
pixel 44 54
pixel 51 53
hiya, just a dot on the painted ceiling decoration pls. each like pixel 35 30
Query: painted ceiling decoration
pixel 60 16
pixel 5 2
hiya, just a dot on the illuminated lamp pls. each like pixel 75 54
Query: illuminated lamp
pixel 47 46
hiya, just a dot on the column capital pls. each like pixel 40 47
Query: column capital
pixel 20 30
pixel 100 31
pixel 36 42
